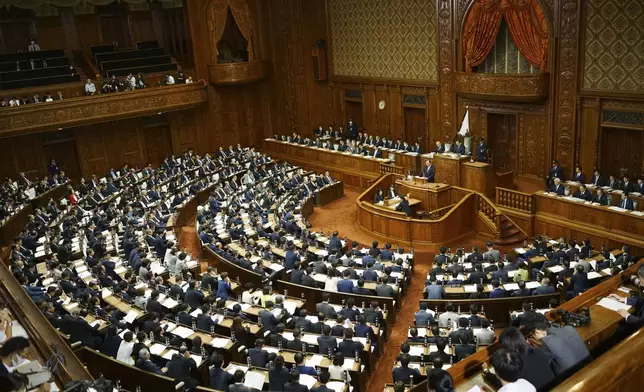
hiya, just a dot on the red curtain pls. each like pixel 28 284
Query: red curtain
pixel 526 22
pixel 481 29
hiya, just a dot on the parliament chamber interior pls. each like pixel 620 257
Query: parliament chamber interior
pixel 321 195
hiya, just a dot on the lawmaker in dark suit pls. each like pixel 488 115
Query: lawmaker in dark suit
pixel 481 151
pixel 556 171
pixel 439 147
pixel 579 176
pixel 219 378
pixel 327 343
pixel 429 171
pixel 352 129
pixel 583 193
pixel 379 196
pixel 597 179
pixel 613 183
pixel 600 198
pixel 404 373
pixel 459 148
pixel 627 185
pixel 404 206
pixel 626 202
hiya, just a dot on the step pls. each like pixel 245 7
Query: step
pixel 515 239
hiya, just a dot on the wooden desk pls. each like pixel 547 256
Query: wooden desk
pixel 616 197
pixel 329 193
pixel 353 170
pixel 432 195
pixel 448 168
pixel 558 216
pixel 12 225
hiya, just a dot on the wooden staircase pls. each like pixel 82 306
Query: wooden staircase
pixel 510 232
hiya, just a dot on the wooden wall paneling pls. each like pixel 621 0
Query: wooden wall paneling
pixel 369 108
pixel 91 151
pixel 27 153
pixel 88 30
pixel 201 50
pixel 7 160
pixel 433 120
pixel 313 26
pixel 156 18
pixel 66 155
pixel 567 75
pixel 158 143
pixel 531 134
pixel 382 116
pixel 50 33
pixel 184 131
pixel 68 22
pixel 338 105
pixel 446 64
pixel 142 27
pixel 16 34
pixel 589 124
pixel 115 28
pixel 394 103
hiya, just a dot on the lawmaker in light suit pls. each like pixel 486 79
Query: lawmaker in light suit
pixel 429 171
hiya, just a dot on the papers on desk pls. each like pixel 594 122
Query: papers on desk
pixel 198 359
pixel 532 285
pixel 475 388
pixel 624 290
pixel 519 251
pixel 617 209
pixel 272 350
pixel 337 386
pixel 556 269
pixel 254 380
pixel 594 275
pixel 36 374
pixel 290 306
pixel 156 349
pixel 511 286
pixel 638 213
pixel 310 339
pixel 105 293
pixel 315 360
pixel 196 313
pixel 416 351
pixel 219 342
pixel 612 304
pixel 469 288
pixel 169 303
pixel 183 332
pixel 232 368
pixel 130 316
pixel 308 380
pixel 168 355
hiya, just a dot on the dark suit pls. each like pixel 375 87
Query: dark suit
pixel 429 172
pixel 556 172
pixel 258 357
pixel 220 379
pixel 348 348
pixel 627 204
pixel 597 180
pixel 603 200
pixel 580 178
pixel 327 342
pixel 558 189
pixel 404 374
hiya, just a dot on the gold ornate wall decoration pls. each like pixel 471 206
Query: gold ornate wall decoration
pixel 384 39
pixel 614 53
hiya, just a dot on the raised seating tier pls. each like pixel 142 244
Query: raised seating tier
pixel 44 81
pixel 25 56
pixel 9 66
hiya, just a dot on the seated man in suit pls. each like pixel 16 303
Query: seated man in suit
pixel 626 202
pixel 498 292
pixel 462 335
pixel 579 176
pixel 613 183
pixel 404 373
pixel 597 179
pixel 627 185
pixel 404 205
pixel 557 187
pixel 327 344
pixel 600 197
pixel 439 147
pixel 429 171
pixel 639 187
pixel 391 193
pixel 459 148
pixel 583 193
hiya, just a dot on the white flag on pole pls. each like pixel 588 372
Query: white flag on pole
pixel 465 126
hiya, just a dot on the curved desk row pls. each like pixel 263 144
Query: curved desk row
pixel 471 213
pixel 603 325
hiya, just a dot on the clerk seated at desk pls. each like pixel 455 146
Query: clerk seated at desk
pixel 459 148
pixel 439 147
pixel 557 187
pixel 429 171
pixel 579 176
pixel 600 197
pixel 379 196
pixel 376 153
pixel 404 205
pixel 626 202
pixel 391 193
pixel 583 193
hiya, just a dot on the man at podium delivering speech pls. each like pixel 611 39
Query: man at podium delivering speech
pixel 429 171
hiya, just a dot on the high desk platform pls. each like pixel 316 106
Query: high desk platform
pixel 457 170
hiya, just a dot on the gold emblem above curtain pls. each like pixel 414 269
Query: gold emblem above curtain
pixel 217 13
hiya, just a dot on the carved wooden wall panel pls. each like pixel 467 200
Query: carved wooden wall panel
pixel 50 33
pixel 567 75
pixel 446 66
pixel 532 134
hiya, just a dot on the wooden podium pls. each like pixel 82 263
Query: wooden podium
pixel 459 171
